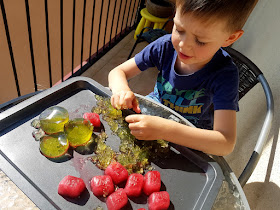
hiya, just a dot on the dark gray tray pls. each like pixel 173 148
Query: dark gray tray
pixel 192 178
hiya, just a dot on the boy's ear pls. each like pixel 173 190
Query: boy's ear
pixel 233 37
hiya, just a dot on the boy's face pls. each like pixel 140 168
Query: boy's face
pixel 196 42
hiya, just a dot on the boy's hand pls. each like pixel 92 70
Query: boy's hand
pixel 125 100
pixel 146 127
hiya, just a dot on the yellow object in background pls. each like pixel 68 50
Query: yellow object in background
pixel 146 21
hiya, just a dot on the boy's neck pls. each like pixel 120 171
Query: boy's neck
pixel 186 69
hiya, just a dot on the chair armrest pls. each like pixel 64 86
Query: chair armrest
pixel 263 136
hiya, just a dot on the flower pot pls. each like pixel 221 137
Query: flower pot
pixel 160 8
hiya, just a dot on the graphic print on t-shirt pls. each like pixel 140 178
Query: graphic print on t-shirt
pixel 182 101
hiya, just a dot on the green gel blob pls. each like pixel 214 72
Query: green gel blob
pixel 78 131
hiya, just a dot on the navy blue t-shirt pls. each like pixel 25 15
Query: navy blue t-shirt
pixel 191 95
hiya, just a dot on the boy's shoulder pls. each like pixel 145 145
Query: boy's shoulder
pixel 155 53
pixel 165 39
pixel 160 45
pixel 221 70
pixel 224 53
pixel 222 60
pixel 221 54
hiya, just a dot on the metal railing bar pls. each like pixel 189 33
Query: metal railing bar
pixel 83 30
pixel 108 46
pixel 91 30
pixel 73 35
pixel 31 44
pixel 61 39
pixel 133 12
pixel 95 58
pixel 138 17
pixel 100 20
pixel 113 18
pixel 101 52
pixel 118 21
pixel 108 8
pixel 10 45
pixel 48 41
pixel 124 11
pixel 129 9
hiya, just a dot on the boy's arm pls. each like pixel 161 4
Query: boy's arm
pixel 219 141
pixel 123 97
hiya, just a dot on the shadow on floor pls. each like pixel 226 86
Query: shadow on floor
pixel 266 194
pixel 263 195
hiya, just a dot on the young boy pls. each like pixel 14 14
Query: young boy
pixel 194 74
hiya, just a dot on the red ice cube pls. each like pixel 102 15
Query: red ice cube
pixel 134 185
pixel 102 185
pixel 159 201
pixel 71 186
pixel 117 172
pixel 93 118
pixel 117 200
pixel 152 182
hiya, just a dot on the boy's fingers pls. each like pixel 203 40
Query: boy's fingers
pixel 125 99
pixel 137 133
pixel 134 126
pixel 137 109
pixel 112 100
pixel 129 119
pixel 121 98
pixel 132 118
pixel 135 106
pixel 115 102
pixel 128 99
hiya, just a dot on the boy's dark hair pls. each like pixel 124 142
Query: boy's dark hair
pixel 236 12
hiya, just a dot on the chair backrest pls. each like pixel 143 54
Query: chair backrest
pixel 249 76
pixel 248 71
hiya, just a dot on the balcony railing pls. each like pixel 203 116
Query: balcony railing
pixel 44 42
